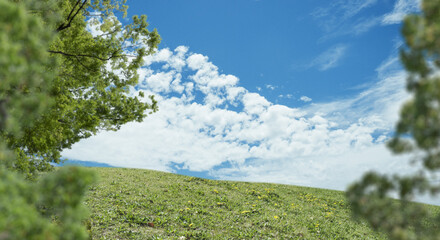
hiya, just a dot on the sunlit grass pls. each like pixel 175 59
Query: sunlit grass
pixel 142 204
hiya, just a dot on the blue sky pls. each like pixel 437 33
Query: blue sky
pixel 295 92
pixel 293 46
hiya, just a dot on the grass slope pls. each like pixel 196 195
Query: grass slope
pixel 143 204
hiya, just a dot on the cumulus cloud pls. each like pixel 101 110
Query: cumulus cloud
pixel 305 99
pixel 401 8
pixel 322 145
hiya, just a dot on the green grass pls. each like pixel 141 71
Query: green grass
pixel 144 204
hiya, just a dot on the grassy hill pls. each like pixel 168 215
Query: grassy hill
pixel 143 204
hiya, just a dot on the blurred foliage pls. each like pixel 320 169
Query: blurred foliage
pixel 24 60
pixel 417 132
pixel 48 209
pixel 92 60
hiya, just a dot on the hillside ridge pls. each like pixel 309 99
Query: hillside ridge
pixel 146 204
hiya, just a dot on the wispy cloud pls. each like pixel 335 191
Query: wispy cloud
pixel 353 7
pixel 328 59
pixel 401 8
pixel 362 26
pixel 338 12
pixel 375 101
pixel 342 17
pixel 356 27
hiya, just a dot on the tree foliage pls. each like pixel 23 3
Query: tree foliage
pixel 50 208
pixel 23 63
pixel 97 60
pixel 418 132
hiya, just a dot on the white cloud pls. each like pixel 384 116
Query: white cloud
pixel 254 103
pixel 364 25
pixel 305 99
pixel 341 17
pixel 353 7
pixel 343 8
pixel 335 172
pixel 355 27
pixel 401 8
pixel 379 103
pixel 289 96
pixel 339 12
pixel 235 93
pixel 196 61
pixel 173 60
pixel 271 87
pixel 161 81
pixel 323 145
pixel 329 59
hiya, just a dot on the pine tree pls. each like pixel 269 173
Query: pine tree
pixel 418 132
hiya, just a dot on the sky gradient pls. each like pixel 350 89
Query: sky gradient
pixel 295 92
